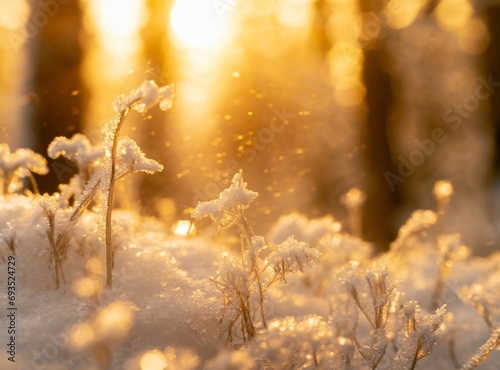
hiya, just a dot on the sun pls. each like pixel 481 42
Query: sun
pixel 197 24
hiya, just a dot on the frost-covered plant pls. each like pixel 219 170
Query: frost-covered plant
pixel 416 336
pixel 443 190
pixel 17 165
pixel 291 256
pixel 141 99
pixel 298 343
pixel 391 320
pixel 449 250
pixel 228 210
pixel 353 200
pixel 131 159
pixel 121 156
pixel 238 279
pixel 233 280
pixel 483 351
pixel 85 155
pixel 419 221
pixel 8 237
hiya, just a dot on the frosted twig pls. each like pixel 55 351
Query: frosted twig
pixel 483 351
pixel 145 97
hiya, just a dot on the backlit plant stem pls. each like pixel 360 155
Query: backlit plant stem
pixel 109 206
pixel 248 232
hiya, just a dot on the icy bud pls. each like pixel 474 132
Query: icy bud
pixel 442 191
pixel 146 97
pixel 354 198
pixel 132 159
pixel 236 195
pixel 77 149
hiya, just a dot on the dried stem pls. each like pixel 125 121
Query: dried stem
pixel 248 233
pixel 55 253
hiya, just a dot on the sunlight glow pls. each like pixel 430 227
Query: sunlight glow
pixel 118 20
pixel 346 57
pixel 196 24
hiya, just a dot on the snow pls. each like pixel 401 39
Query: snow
pixel 308 295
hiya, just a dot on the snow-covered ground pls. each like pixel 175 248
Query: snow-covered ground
pixel 305 295
pixel 163 310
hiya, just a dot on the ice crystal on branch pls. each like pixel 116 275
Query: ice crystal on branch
pixel 234 198
pixel 145 97
pixel 417 336
pixel 131 159
pixel 77 149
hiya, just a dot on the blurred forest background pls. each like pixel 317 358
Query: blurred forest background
pixel 309 97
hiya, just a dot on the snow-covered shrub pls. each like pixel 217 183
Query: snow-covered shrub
pixel 226 211
pixel 291 256
pixel 241 279
pixel 297 343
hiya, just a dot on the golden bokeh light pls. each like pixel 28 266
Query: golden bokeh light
pixel 184 228
pixel 197 25
pixel 453 15
pixel 474 37
pixel 87 287
pixel 401 14
pixel 82 335
pixel 14 14
pixel 114 320
pixel 346 57
pixel 153 360
pixel 295 13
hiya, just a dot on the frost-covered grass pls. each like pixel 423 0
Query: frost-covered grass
pixel 306 295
